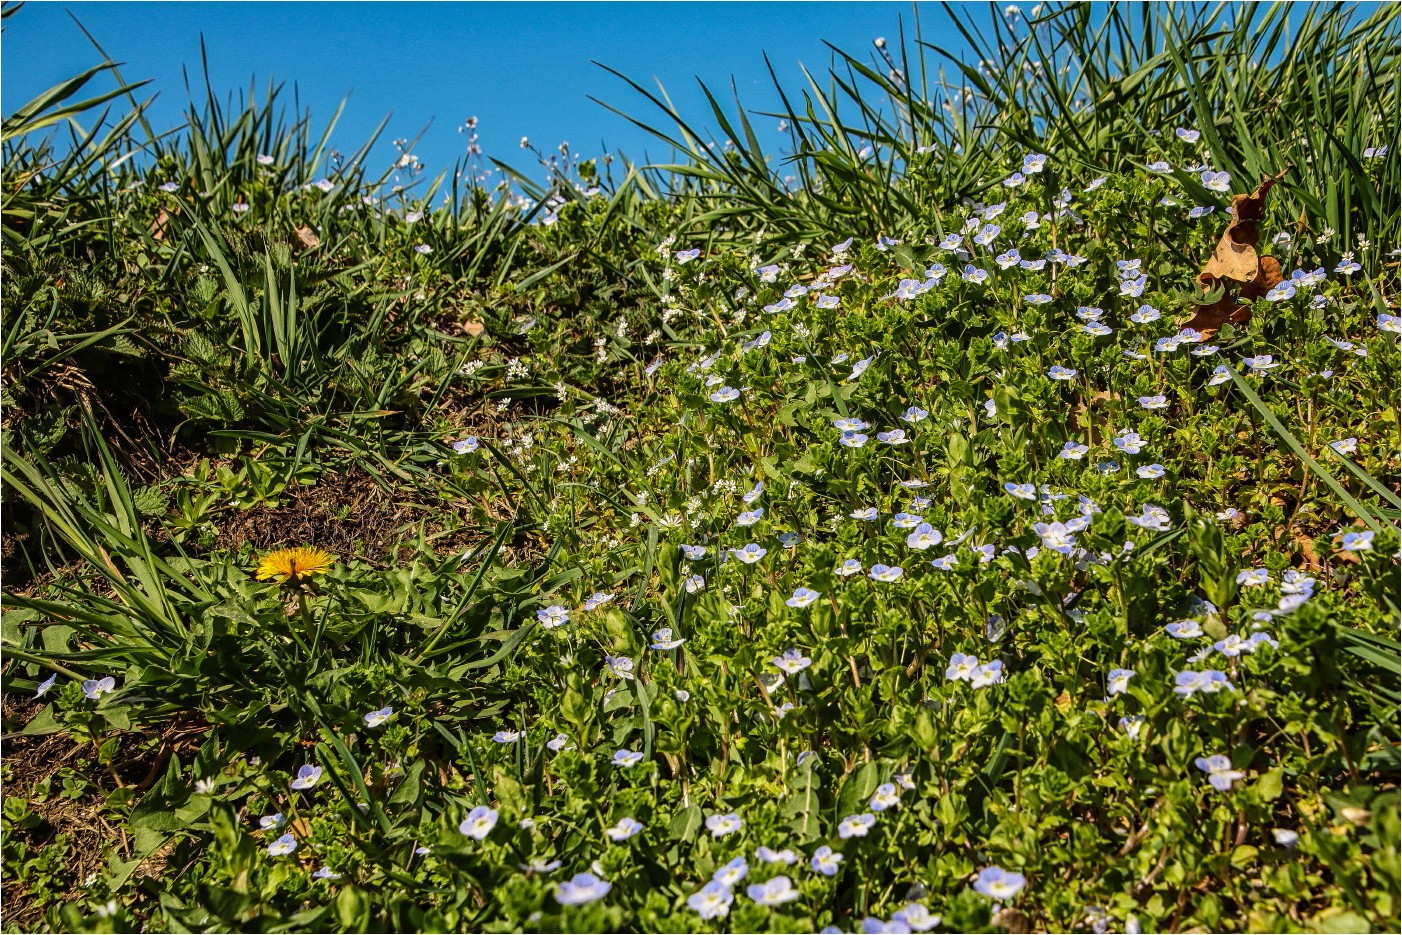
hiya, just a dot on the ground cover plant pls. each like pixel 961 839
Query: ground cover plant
pixel 941 528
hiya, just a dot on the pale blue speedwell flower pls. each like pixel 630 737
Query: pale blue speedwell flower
pixel 721 825
pixel 625 829
pixel 479 822
pixel 580 889
pixel 774 892
pixel 627 758
pixel 553 616
pixel 855 825
pixel 282 846
pixel 825 861
pixel 1219 771
pixel 997 883
pixel 307 776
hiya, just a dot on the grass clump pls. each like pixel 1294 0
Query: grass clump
pixel 687 549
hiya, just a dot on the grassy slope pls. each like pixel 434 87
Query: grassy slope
pixel 190 384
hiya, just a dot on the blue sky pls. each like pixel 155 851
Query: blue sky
pixel 524 69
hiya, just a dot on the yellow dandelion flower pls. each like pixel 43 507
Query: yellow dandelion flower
pixel 294 564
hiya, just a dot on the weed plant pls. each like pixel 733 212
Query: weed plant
pixel 856 541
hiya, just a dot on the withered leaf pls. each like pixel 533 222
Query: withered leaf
pixel 1236 260
pixel 158 226
pixel 473 328
pixel 308 238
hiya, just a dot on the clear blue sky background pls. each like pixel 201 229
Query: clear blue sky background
pixel 522 68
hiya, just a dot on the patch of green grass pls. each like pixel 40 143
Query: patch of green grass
pixel 682 543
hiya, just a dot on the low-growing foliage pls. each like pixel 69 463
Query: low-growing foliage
pixel 693 549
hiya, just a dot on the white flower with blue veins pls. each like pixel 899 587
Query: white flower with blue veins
pixel 961 667
pixel 881 572
pixel 1117 683
pixel 626 758
pixel 750 518
pixel 802 597
pixel 1021 491
pixel 282 846
pixel 990 673
pixel 721 825
pixel 792 662
pixel 580 889
pixel 1073 451
pixel 914 414
pixel 997 883
pixel 750 553
pixel 1056 536
pixel 1219 771
pixel 1253 577
pixel 694 583
pixel 1190 682
pixel 1097 329
pixel 825 860
pixel 893 437
pixel 1058 372
pixel 626 828
pixel 479 822
pixel 906 520
pixel 771 856
pixel 1151 471
pixel 923 537
pixel 850 567
pixel 1357 541
pixel 712 901
pixel 886 796
pixel 855 824
pixel 597 600
pixel 96 688
pixel 774 892
pixel 1145 314
pixel 376 718
pixel 553 616
pixel 307 776
pixel 916 917
pixel 663 640
pixel 1184 629
pixel 725 394
pixel 1216 181
pixel 620 666
pixel 731 873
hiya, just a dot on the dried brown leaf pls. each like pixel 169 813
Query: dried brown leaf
pixel 158 226
pixel 1235 261
pixel 308 238
pixel 473 328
